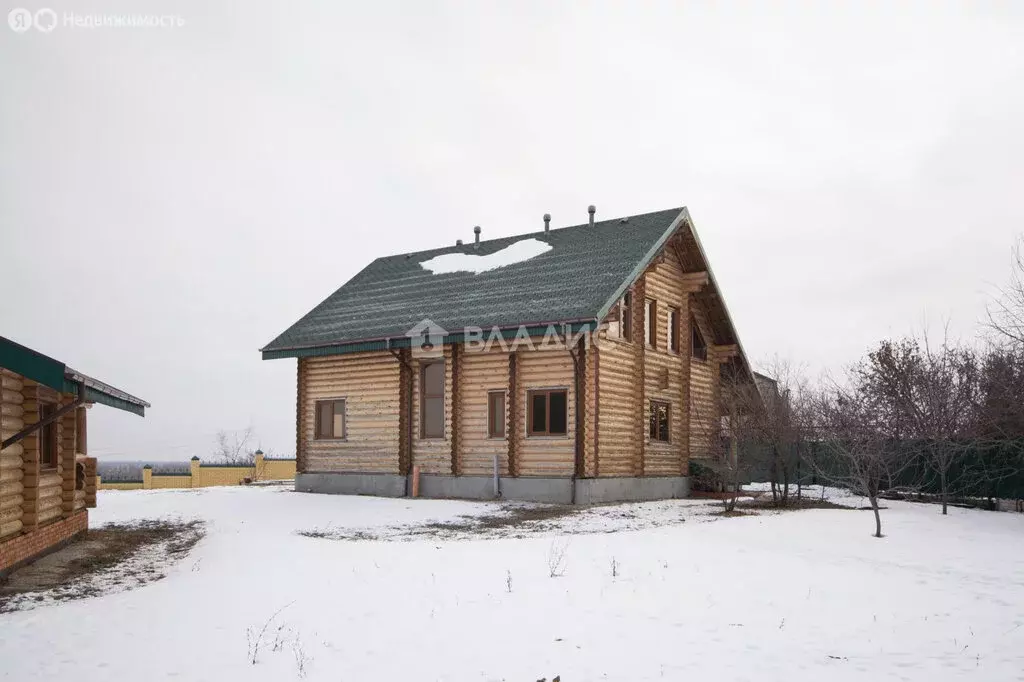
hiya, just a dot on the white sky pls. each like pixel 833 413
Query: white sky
pixel 173 198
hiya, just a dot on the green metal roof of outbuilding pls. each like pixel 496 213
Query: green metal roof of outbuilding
pixel 577 281
pixel 58 376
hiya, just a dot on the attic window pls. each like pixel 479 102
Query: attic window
pixel 626 316
pixel 698 348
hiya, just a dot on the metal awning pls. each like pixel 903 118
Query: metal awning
pixel 58 376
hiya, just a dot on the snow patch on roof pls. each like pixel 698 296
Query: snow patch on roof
pixel 521 251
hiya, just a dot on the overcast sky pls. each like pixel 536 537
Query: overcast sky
pixel 173 198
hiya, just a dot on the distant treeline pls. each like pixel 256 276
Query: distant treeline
pixel 132 470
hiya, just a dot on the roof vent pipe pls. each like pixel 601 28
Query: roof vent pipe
pixel 547 223
pixel 458 242
pixel 591 210
pixel 476 231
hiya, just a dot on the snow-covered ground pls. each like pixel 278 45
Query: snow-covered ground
pixel 806 595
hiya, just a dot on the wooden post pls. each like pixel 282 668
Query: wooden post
pixel 513 431
pixel 300 421
pixel 456 454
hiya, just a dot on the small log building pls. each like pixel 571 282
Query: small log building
pixel 590 372
pixel 47 479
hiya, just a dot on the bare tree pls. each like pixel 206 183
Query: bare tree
pixel 235 448
pixel 1006 312
pixel 780 422
pixel 929 396
pixel 854 448
pixel 736 450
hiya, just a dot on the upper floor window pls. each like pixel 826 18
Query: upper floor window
pixel 698 348
pixel 651 322
pixel 626 316
pixel 330 419
pixel 673 330
pixel 432 400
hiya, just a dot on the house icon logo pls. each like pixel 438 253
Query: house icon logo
pixel 427 338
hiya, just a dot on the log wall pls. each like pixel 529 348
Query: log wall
pixel 664 371
pixel 704 377
pixel 369 384
pixel 546 455
pixel 616 407
pixel 12 473
pixel 481 373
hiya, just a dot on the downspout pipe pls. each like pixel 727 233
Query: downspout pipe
pixel 28 430
pixel 408 420
pixel 577 440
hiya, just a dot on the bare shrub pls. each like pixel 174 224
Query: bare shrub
pixel 557 557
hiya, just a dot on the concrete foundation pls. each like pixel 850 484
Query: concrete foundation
pixel 526 489
pixel 382 485
pixel 635 489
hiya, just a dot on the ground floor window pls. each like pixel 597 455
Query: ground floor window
pixel 660 421
pixel 547 412
pixel 330 419
pixel 48 437
pixel 432 378
pixel 496 414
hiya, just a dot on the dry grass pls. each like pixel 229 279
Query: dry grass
pixel 116 556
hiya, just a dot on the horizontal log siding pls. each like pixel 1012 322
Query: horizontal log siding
pixel 546 455
pixel 482 373
pixel 432 455
pixel 663 282
pixel 704 417
pixel 369 384
pixel 616 424
pixel 12 420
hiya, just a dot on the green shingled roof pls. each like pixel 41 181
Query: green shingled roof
pixel 55 374
pixel 576 281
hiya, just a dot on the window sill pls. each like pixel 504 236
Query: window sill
pixel 542 436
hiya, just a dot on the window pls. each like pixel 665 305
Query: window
pixel 48 437
pixel 698 348
pixel 548 413
pixel 432 404
pixel 496 414
pixel 626 316
pixel 330 419
pixel 673 330
pixel 651 323
pixel 660 428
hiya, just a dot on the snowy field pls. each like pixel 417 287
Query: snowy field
pixel 805 595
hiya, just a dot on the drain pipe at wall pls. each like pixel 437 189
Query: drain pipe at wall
pixel 577 440
pixel 408 420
